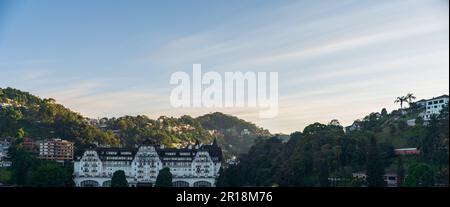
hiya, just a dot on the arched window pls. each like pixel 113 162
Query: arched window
pixel 202 184
pixel 89 183
pixel 180 184
pixel 107 183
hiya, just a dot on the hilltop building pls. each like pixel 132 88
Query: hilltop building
pixel 432 106
pixel 193 166
pixel 245 132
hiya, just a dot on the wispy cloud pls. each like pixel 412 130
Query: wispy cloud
pixel 331 64
pixel 336 59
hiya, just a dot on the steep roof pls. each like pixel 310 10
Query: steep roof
pixel 165 154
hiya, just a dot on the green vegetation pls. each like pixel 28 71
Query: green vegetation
pixel 186 130
pixel 27 170
pixel 322 151
pixel 165 130
pixel 31 116
pixel 51 174
pixel 420 175
pixel 375 169
pixel 5 176
pixel 164 178
pixel 309 158
pixel 229 132
pixel 119 179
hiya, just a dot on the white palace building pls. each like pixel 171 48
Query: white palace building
pixel 193 166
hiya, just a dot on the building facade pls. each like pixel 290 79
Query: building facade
pixel 4 148
pixel 56 149
pixel 407 151
pixel 193 166
pixel 433 106
pixel 30 144
pixel 390 178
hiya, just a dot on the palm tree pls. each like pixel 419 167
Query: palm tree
pixel 401 100
pixel 410 97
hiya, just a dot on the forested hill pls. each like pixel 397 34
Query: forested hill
pixel 325 154
pixel 220 121
pixel 25 115
pixel 235 135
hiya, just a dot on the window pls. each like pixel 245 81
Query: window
pixel 202 184
pixel 180 184
pixel 435 102
pixel 441 101
pixel 89 183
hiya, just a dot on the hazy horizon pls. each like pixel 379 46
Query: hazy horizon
pixel 336 60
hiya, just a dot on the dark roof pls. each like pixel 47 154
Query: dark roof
pixel 214 151
pixel 148 142
pixel 165 154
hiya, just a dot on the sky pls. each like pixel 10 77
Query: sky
pixel 335 59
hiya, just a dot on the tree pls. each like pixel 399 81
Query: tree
pixel 335 122
pixel 401 100
pixel 384 112
pixel 230 177
pixel 420 175
pixel 400 172
pixel 314 128
pixel 220 182
pixel 51 175
pixel 21 133
pixel 392 128
pixel 324 174
pixel 419 121
pixel 164 178
pixel 402 125
pixel 23 164
pixel 410 98
pixel 119 179
pixel 5 175
pixel 375 168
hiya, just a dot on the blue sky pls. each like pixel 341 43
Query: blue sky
pixel 335 59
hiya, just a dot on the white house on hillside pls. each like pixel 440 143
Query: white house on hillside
pixel 433 106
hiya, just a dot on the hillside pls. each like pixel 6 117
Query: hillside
pixel 25 115
pixel 323 151
pixel 400 128
pixel 44 118
pixel 235 135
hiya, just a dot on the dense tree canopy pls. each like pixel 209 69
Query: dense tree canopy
pixel 324 155
pixel 119 179
pixel 164 178
pixel 52 174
